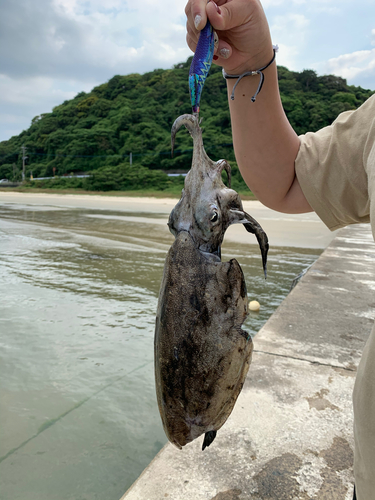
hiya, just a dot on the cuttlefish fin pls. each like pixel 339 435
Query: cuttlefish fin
pixel 208 438
pixel 252 226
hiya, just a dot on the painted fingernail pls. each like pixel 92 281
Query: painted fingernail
pixel 197 20
pixel 216 58
pixel 224 53
pixel 216 40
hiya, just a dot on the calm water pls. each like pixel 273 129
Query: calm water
pixel 78 296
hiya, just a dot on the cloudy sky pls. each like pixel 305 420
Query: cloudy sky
pixel 52 49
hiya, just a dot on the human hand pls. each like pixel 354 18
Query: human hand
pixel 242 27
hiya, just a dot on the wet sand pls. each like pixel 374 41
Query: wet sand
pixel 286 230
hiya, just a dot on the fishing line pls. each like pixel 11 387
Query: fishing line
pixel 53 421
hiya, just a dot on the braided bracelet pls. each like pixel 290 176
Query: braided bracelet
pixel 252 73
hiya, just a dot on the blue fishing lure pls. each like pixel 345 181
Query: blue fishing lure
pixel 201 65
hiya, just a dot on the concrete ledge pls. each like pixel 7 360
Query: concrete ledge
pixel 290 434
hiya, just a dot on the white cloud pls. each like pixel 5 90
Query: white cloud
pixel 84 40
pixel 287 56
pixel 276 3
pixel 284 29
pixel 28 91
pixel 52 49
pixel 57 48
pixel 314 5
pixel 21 100
pixel 351 66
pixel 289 26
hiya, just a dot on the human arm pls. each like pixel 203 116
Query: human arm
pixel 265 143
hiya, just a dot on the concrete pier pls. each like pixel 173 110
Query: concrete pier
pixel 290 434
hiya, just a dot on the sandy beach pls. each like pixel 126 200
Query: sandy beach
pixel 302 230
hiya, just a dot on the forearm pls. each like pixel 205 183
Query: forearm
pixel 265 143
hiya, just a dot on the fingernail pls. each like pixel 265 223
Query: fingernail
pixel 216 58
pixel 216 40
pixel 197 20
pixel 224 53
pixel 217 8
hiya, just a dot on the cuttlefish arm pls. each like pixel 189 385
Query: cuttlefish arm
pixel 224 165
pixel 252 226
pixel 214 169
pixel 190 122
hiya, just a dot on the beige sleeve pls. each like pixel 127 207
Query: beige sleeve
pixel 332 166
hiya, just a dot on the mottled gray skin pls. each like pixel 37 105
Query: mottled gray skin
pixel 202 355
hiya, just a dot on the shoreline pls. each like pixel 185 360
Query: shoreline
pixel 285 230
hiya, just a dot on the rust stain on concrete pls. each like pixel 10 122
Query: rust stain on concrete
pixel 332 487
pixel 228 495
pixel 320 403
pixel 277 480
pixel 339 456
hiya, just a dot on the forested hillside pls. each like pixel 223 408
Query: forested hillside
pixel 97 131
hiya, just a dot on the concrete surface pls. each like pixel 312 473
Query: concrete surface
pixel 290 434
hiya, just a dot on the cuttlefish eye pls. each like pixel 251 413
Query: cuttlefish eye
pixel 214 217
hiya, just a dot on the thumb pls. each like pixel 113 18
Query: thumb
pixel 226 15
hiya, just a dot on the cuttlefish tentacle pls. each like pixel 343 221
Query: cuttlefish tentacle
pixel 253 227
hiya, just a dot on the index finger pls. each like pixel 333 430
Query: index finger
pixel 195 11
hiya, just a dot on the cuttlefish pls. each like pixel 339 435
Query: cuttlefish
pixel 202 354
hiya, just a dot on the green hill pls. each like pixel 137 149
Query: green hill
pixel 96 132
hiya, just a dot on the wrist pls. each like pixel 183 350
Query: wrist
pixel 260 60
pixel 258 71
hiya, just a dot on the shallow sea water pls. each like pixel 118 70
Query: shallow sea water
pixel 78 297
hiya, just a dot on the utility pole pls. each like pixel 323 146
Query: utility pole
pixel 131 159
pixel 24 157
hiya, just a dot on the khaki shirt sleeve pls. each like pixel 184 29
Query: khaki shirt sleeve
pixel 331 167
